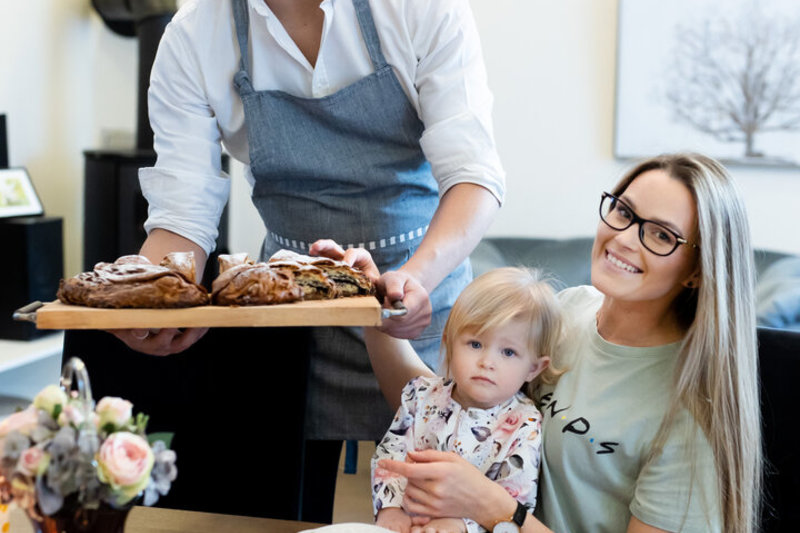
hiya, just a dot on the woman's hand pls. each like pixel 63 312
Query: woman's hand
pixel 166 341
pixel 443 484
pixel 394 286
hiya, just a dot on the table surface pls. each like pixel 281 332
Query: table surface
pixel 155 520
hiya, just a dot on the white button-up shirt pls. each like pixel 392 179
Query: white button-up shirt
pixel 432 45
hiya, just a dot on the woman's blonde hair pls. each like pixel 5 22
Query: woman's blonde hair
pixel 717 372
pixel 500 296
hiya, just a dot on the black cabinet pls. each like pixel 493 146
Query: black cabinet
pixel 32 266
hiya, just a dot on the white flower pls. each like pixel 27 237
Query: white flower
pixel 49 398
pixel 115 411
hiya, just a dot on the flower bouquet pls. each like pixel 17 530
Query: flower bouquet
pixel 80 467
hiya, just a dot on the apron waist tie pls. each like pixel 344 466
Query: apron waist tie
pixel 380 242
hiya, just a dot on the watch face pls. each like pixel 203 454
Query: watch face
pixel 506 527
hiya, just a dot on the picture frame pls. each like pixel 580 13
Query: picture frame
pixel 17 195
pixel 697 75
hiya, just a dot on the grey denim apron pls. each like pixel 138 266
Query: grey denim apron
pixel 348 167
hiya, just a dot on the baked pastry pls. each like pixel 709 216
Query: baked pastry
pixel 242 282
pixel 313 280
pixel 349 281
pixel 132 281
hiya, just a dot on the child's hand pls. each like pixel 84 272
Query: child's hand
pixel 442 525
pixel 395 519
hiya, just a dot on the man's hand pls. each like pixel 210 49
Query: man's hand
pixel 393 286
pixel 398 286
pixel 355 257
pixel 166 341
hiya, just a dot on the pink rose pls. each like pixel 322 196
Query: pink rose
pixel 125 461
pixel 115 411
pixel 22 421
pixel 509 423
pixel 517 488
pixel 33 461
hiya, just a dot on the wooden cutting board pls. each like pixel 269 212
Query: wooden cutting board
pixel 354 311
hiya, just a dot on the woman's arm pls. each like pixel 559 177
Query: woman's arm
pixel 637 526
pixel 445 484
pixel 464 213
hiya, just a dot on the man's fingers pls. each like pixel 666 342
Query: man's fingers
pixel 187 338
pixel 153 341
pixel 327 248
pixel 362 260
pixel 393 286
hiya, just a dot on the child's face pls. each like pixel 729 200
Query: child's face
pixel 490 368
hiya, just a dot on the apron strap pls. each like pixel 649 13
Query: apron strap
pixel 369 33
pixel 242 17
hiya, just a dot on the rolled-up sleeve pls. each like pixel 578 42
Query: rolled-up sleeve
pixel 454 99
pixel 184 203
pixel 186 189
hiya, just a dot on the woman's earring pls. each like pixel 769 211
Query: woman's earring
pixel 691 284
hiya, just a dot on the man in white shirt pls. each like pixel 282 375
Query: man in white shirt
pixel 368 122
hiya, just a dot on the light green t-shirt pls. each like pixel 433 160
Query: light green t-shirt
pixel 599 422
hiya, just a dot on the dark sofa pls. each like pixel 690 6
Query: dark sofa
pixel 777 288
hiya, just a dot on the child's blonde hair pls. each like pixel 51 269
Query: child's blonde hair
pixel 500 296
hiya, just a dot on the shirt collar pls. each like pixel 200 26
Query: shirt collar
pixel 261 7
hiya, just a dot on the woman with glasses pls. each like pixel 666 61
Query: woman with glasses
pixel 654 426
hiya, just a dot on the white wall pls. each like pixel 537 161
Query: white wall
pixel 552 68
pixel 65 81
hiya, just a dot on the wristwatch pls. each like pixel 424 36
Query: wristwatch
pixel 513 524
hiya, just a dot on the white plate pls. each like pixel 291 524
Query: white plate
pixel 349 527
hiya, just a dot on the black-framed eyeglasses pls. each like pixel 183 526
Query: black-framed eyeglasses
pixel 655 237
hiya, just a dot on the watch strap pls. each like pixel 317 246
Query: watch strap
pixel 519 514
pixel 518 518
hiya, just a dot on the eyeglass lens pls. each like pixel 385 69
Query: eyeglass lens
pixel 654 237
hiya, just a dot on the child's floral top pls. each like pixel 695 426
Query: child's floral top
pixel 504 441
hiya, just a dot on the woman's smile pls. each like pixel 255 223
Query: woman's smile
pixel 620 263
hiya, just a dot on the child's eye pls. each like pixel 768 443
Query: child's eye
pixel 508 352
pixel 474 344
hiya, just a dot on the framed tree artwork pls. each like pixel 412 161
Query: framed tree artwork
pixel 722 78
